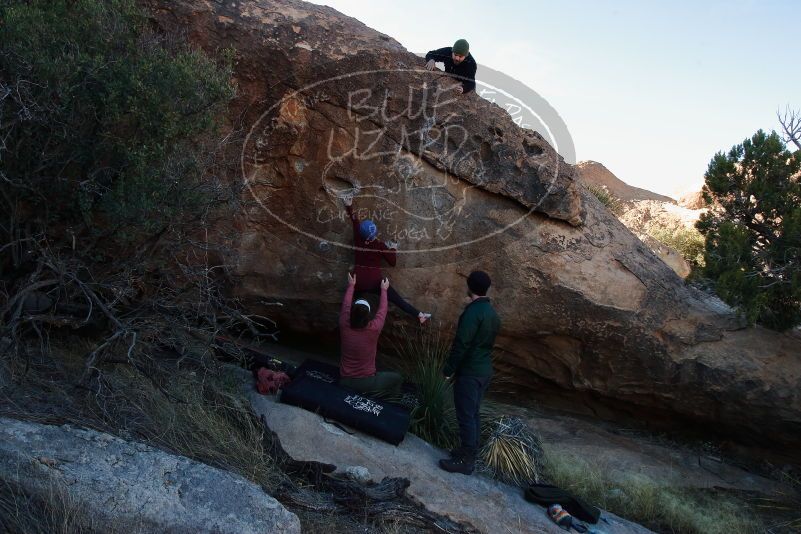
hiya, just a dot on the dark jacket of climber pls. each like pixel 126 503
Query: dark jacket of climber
pixel 369 251
pixel 458 61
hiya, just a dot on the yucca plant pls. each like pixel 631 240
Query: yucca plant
pixel 513 452
pixel 422 353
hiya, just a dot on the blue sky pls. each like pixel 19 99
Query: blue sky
pixel 650 89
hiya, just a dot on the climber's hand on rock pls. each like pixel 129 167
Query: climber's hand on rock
pixel 348 200
pixel 430 64
pixel 351 279
pixel 385 284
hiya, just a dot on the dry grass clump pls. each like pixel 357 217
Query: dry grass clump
pixel 785 507
pixel 639 498
pixel 612 203
pixel 421 355
pixel 200 417
pixel 513 452
pixel 55 513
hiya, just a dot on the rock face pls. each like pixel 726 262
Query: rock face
pixel 594 173
pixel 476 501
pixel 641 208
pixel 669 255
pixel 643 216
pixel 692 201
pixel 641 213
pixel 130 487
pixel 333 109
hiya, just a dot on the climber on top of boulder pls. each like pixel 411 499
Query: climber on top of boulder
pixel 458 62
pixel 369 251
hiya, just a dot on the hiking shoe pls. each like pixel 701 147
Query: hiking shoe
pixel 460 464
pixel 456 453
pixel 423 317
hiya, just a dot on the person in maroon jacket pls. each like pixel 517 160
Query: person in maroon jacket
pixel 369 252
pixel 360 342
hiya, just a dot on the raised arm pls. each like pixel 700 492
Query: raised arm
pixel 439 54
pixel 470 84
pixel 354 221
pixel 381 314
pixel 347 301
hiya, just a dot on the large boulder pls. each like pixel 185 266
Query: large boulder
pixel 646 218
pixel 131 487
pixel 330 109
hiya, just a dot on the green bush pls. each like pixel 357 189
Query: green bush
pixel 102 120
pixel 686 241
pixel 110 148
pixel 753 236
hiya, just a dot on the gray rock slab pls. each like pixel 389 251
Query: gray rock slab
pixel 480 502
pixel 131 487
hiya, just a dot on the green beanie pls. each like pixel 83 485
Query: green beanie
pixel 461 47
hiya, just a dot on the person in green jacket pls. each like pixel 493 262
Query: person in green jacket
pixel 470 366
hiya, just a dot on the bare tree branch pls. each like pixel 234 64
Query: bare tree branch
pixel 791 124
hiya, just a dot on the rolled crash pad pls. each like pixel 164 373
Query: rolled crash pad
pixel 315 388
pixel 325 372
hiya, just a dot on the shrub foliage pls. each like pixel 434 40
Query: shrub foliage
pixel 111 165
pixel 687 241
pixel 753 232
pixel 100 119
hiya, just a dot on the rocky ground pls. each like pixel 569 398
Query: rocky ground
pixel 173 450
pixel 692 462
pixel 477 501
pixel 105 476
pixel 130 487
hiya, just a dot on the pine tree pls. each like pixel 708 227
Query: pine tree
pixel 753 229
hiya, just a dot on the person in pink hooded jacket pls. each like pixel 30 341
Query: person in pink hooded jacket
pixel 360 342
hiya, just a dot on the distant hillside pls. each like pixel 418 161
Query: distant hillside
pixel 692 201
pixel 594 173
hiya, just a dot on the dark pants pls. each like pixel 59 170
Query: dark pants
pixel 467 394
pixel 395 298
